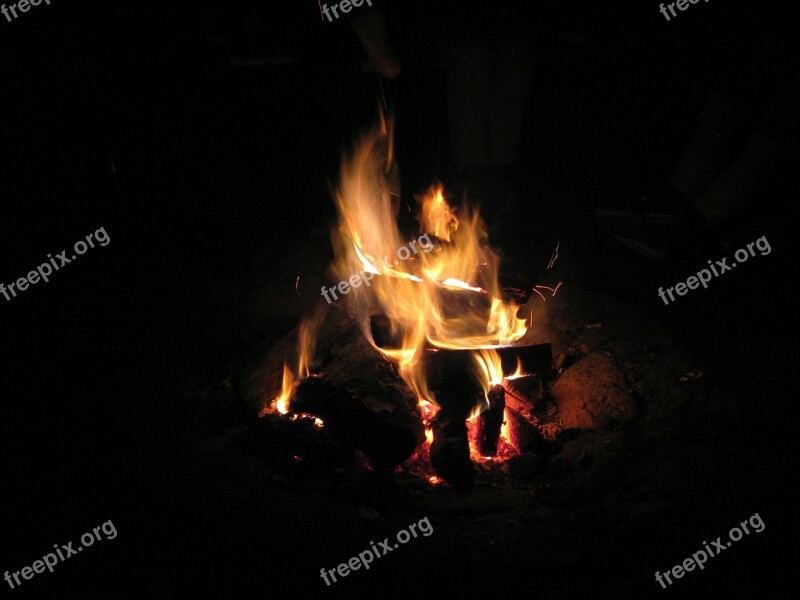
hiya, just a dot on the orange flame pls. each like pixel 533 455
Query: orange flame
pixel 281 403
pixel 437 217
pixel 413 291
pixel 441 295
pixel 306 343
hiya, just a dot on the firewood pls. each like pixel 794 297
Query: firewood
pixel 523 393
pixel 490 421
pixel 523 435
pixel 387 438
pixel 276 437
pixel 450 451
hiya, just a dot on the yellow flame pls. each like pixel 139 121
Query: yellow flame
pixel 490 368
pixel 429 435
pixel 437 216
pixel 281 403
pixel 306 343
pixel 505 430
pixel 439 295
pixel 520 372
pixel 416 292
pixel 476 411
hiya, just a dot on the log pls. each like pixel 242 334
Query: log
pixel 523 435
pixel 455 304
pixel 450 451
pixel 385 437
pixel 522 395
pixel 490 421
pixel 451 375
pixel 274 436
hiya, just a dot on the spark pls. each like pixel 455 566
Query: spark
pixel 554 256
pixel 297 285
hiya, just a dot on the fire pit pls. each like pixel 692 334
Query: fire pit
pixel 420 362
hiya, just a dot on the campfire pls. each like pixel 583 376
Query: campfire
pixel 426 363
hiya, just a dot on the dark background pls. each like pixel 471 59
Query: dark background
pixel 203 138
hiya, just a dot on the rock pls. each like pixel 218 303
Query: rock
pixel 591 394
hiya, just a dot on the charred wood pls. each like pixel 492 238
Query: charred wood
pixel 387 439
pixel 490 421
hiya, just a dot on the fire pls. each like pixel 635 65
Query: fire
pixel 306 344
pixel 446 296
pixel 438 217
pixel 282 402
pixel 520 372
pixel 490 369
pixel 413 293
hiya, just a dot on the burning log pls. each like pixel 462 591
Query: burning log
pixel 450 451
pixel 490 422
pixel 458 391
pixel 458 303
pixel 472 308
pixel 449 296
pixel 450 375
pixel 522 433
pixel 523 391
pixel 522 395
pixel 386 438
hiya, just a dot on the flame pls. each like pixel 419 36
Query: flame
pixel 520 372
pixel 437 216
pixel 490 374
pixel 444 295
pixel 441 295
pixel 281 403
pixel 505 432
pixel 490 369
pixel 306 344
